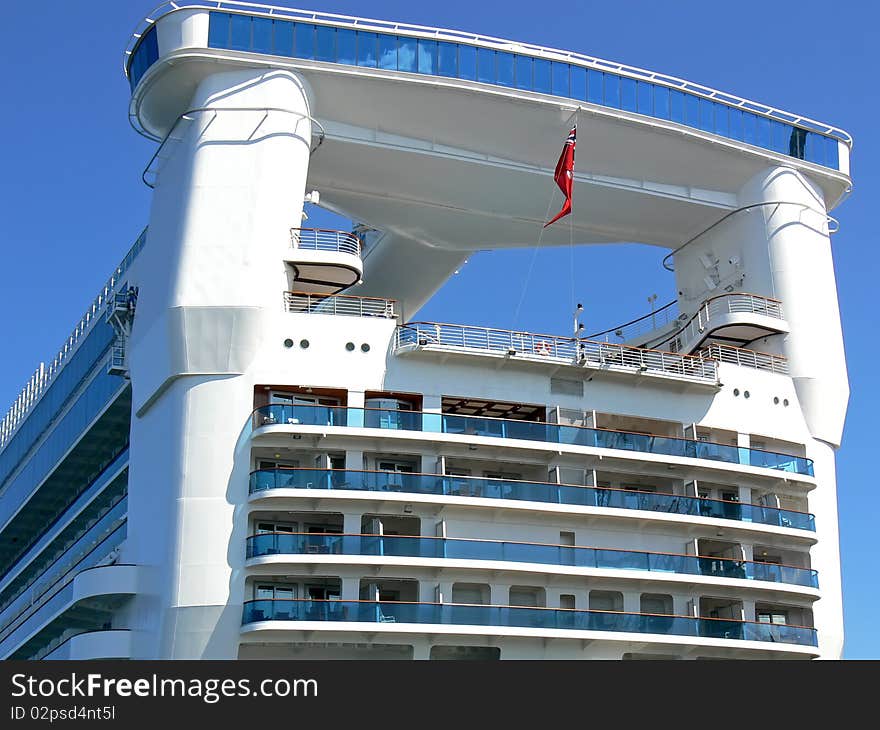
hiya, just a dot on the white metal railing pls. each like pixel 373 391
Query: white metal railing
pixel 325 239
pixel 569 349
pixel 339 304
pixel 658 319
pixel 747 358
pixel 489 41
pixel 46 373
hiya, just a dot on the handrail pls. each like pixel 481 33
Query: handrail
pixel 619 330
pixel 339 304
pixel 768 361
pixel 325 239
pixel 674 82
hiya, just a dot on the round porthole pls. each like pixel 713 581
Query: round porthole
pixel 349 346
pixel 776 401
pixel 288 343
pixel 746 394
pixel 785 402
pixel 736 391
pixel 304 344
pixel 365 347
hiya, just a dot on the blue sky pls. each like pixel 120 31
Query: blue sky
pixel 72 199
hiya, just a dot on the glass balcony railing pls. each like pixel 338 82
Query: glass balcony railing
pixel 455 486
pixel 285 543
pixel 528 431
pixel 536 618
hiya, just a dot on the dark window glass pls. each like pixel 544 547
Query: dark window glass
pixel 406 54
pixel 579 83
pixel 832 153
pixel 447 59
pixel 388 52
pixel 692 111
pixel 559 83
pixel 505 68
pixel 661 102
pixel 346 46
pixel 797 142
pixel 612 91
pixel 486 66
pixel 735 117
pixel 627 94
pixel 304 40
pixel 367 43
pixel 240 33
pixel 595 87
pixel 779 136
pixel 722 125
pixel 326 44
pixel 645 94
pixel 523 72
pixel 218 30
pixel 282 38
pixel 467 62
pixel 541 71
pixel 262 35
pixel 427 57
pixel 750 128
pixel 676 106
pixel 763 134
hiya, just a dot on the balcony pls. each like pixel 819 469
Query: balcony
pixel 529 431
pixel 340 305
pixel 286 543
pixel 747 358
pixel 421 614
pixel 324 261
pixel 544 492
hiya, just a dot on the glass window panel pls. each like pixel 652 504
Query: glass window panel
pixel 541 71
pixel 612 90
pixel 762 138
pixel 595 87
pixel 427 57
pixel 388 51
pixel 218 30
pixel 735 120
pixel 797 141
pixel 676 106
pixel 779 134
pixel 467 62
pixel 523 72
pixel 707 115
pixel 832 152
pixel 486 65
pixel 750 128
pixel 406 54
pixel 722 125
pixel 645 98
pixel 282 38
pixel 366 49
pixel 240 33
pixel 560 85
pixel 661 102
pixel 627 94
pixel 447 59
pixel 262 35
pixel 815 149
pixel 692 110
pixel 325 46
pixel 304 40
pixel 505 68
pixel 579 83
pixel 346 46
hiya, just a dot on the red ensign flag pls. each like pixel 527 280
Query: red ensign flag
pixel 564 175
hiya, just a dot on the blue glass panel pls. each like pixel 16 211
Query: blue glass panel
pixel 676 106
pixel 627 94
pixel 595 87
pixel 579 83
pixel 542 75
pixel 692 110
pixel 612 91
pixel 735 117
pixel 750 128
pixel 661 102
pixel 304 40
pixel 707 115
pixel 218 30
pixel 282 38
pixel 346 46
pixel 645 98
pixel 722 124
pixel 406 54
pixel 325 47
pixel 240 33
pixel 486 66
pixel 763 132
pixel 832 153
pixel 779 134
pixel 559 83
pixel 467 62
pixel 427 57
pixel 524 72
pixel 388 52
pixel 814 149
pixel 505 68
pixel 366 49
pixel 447 59
pixel 262 35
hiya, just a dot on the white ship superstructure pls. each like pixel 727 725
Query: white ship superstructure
pixel 250 447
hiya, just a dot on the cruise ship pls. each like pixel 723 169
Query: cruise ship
pixel 251 447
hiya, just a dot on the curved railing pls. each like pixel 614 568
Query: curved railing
pixel 287 543
pixel 768 361
pixel 278 414
pixel 641 325
pixel 340 305
pixel 325 239
pixel 544 492
pixel 400 612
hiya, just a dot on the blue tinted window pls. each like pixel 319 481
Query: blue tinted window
pixel 367 43
pixel 578 83
pixel 282 38
pixel 467 62
pixel 692 110
pixel 645 94
pixel 661 102
pixel 485 65
pixel 218 30
pixel 388 51
pixel 406 53
pixel 523 72
pixel 814 148
pixel 707 115
pixel 763 133
pixel 832 152
pixel 612 90
pixel 750 128
pixel 779 136
pixel 427 57
pixel 722 125
pixel 505 68
pixel 447 59
pixel 676 106
pixel 541 70
pixel 240 26
pixel 559 83
pixel 595 87
pixel 326 44
pixel 346 46
pixel 627 94
pixel 262 35
pixel 304 41
pixel 735 117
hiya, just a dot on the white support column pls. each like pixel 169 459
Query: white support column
pixel 351 523
pixel 499 594
pixel 351 589
pixel 632 602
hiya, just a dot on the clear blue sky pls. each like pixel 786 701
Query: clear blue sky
pixel 73 201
